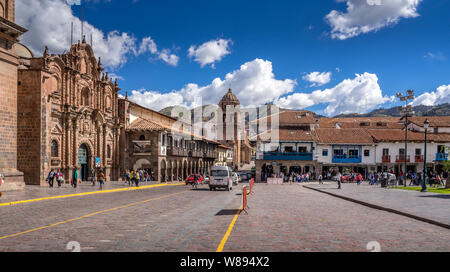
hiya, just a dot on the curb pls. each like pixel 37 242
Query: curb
pixel 374 206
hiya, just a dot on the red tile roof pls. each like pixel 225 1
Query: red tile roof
pixel 344 136
pixel 287 135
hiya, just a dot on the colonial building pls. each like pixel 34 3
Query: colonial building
pixel 162 145
pixel 9 34
pixel 68 116
pixel 299 144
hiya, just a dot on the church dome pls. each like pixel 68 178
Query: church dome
pixel 229 99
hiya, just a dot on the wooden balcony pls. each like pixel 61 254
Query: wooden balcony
pixel 401 159
pixel 419 158
pixel 386 159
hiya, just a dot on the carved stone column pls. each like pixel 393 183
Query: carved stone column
pixel 75 143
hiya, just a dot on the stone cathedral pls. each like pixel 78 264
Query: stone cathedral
pixel 68 116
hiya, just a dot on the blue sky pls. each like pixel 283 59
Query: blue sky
pixel 391 50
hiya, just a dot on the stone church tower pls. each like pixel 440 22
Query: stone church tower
pixel 233 129
pixel 68 116
pixel 9 34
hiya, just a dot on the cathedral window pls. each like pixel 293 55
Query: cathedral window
pixel 54 149
pixel 85 97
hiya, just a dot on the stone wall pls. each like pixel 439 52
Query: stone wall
pixel 29 148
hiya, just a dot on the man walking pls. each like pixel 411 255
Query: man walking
pixel 93 177
pixel 51 178
pixel 320 179
pixel 75 177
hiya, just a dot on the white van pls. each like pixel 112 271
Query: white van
pixel 221 177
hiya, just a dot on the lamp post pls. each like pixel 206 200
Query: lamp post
pixel 426 124
pixel 406 112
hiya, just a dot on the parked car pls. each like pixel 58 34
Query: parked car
pixel 221 177
pixel 190 179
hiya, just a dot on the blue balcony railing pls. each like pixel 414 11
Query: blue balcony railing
pixel 346 159
pixel 288 156
pixel 442 157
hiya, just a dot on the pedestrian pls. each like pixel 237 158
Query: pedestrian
pixel 136 178
pixel 194 185
pixel 59 178
pixel 51 178
pixel 75 177
pixel 320 179
pixel 132 177
pixel 93 177
pixel 101 179
pixel 141 176
pixel 2 181
pixel 359 178
pixel 127 176
pixel 338 177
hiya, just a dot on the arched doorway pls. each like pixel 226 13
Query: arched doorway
pixel 163 171
pixel 185 170
pixel 83 161
pixel 295 169
pixel 266 172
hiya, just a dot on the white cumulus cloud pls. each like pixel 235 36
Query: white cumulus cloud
pixel 363 16
pixel 210 52
pixel 49 24
pixel 254 84
pixel 318 78
pixel 441 96
pixel 357 95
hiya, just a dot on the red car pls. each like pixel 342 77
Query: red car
pixel 190 179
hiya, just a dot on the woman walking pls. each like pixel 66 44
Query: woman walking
pixel 59 178
pixel 101 179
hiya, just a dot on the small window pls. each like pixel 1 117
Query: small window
pixel 325 152
pixel 366 153
pixel 418 151
pixel 108 151
pixel 55 150
pixel 142 138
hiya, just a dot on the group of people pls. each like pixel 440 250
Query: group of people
pixel 297 178
pixel 59 177
pixel 434 178
pixel 55 175
pixel 137 176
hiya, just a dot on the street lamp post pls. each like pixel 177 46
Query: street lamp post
pixel 426 124
pixel 406 112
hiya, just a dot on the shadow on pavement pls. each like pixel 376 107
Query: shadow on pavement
pixel 438 196
pixel 227 212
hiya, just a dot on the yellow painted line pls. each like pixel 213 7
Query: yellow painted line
pixel 90 215
pixel 90 193
pixel 230 228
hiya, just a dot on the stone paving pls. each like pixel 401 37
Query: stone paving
pixel 33 192
pixel 186 221
pixel 426 205
pixel 177 218
pixel 286 218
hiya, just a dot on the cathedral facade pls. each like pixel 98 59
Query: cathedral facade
pixel 68 116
